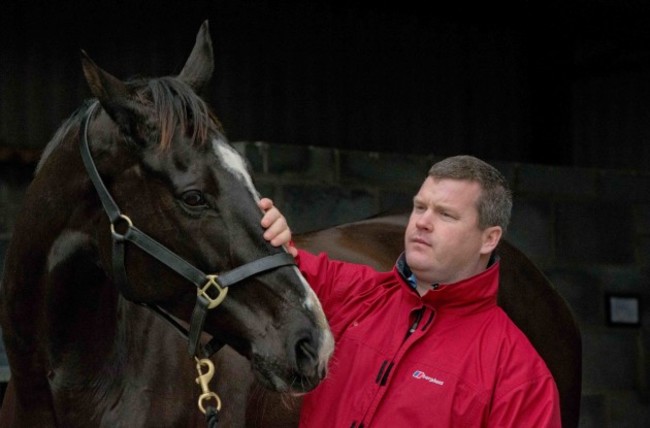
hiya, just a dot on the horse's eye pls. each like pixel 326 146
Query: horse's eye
pixel 193 198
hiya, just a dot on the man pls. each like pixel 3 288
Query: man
pixel 426 345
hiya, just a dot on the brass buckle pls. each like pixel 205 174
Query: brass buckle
pixel 212 282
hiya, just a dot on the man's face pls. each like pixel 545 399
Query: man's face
pixel 443 242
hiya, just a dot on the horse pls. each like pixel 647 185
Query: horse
pixel 107 313
pixel 525 294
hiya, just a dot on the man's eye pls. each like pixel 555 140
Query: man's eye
pixel 194 198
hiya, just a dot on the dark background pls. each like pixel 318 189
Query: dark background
pixel 546 82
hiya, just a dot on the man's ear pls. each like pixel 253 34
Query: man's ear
pixel 491 237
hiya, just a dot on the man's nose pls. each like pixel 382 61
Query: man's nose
pixel 425 221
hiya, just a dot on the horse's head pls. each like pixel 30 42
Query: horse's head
pixel 167 165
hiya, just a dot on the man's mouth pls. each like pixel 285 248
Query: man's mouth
pixel 421 241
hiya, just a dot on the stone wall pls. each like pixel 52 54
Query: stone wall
pixel 587 229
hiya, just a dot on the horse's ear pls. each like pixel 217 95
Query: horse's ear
pixel 113 94
pixel 198 68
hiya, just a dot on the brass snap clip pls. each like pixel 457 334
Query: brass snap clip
pixel 203 380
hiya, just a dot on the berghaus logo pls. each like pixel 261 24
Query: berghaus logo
pixel 420 375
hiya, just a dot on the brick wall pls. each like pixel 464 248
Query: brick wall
pixel 588 229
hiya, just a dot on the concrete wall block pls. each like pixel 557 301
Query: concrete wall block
pixel 396 201
pixel 315 207
pixel 620 186
pixel 383 169
pixel 268 189
pixel 583 292
pixel 556 180
pixel 324 164
pixel 305 162
pixel 644 357
pixel 642 251
pixel 593 411
pixel 610 358
pixel 255 153
pixel 619 279
pixel 531 228
pixel 626 411
pixel 593 232
pixel 642 218
pixel 302 162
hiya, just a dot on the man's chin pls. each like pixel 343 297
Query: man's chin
pixel 417 261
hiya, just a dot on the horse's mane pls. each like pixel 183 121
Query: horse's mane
pixel 174 103
pixel 61 133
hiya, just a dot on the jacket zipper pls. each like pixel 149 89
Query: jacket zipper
pixel 386 365
pixel 418 318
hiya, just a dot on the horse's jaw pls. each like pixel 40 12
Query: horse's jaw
pixel 276 379
pixel 302 374
pixel 287 353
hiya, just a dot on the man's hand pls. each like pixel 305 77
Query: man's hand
pixel 277 230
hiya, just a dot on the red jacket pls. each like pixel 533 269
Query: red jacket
pixel 451 358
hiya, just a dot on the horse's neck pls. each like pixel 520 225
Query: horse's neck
pixel 81 307
pixel 125 366
pixel 103 336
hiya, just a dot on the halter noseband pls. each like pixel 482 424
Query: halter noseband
pixel 206 284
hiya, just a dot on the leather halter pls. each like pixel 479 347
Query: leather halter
pixel 206 284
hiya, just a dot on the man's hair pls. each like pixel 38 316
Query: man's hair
pixel 494 204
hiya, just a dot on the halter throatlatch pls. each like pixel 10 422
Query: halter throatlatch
pixel 211 289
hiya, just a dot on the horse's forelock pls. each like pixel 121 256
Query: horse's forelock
pixel 177 104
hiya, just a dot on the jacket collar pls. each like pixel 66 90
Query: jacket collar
pixel 479 289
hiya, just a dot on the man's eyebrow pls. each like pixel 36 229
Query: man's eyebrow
pixel 447 208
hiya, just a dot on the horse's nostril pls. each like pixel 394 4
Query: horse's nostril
pixel 306 356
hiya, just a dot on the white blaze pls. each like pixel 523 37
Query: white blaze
pixel 233 161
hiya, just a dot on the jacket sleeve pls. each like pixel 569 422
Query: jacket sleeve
pixel 339 285
pixel 319 271
pixel 535 403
